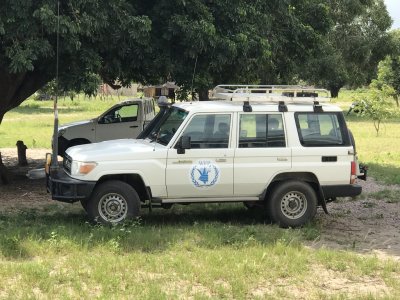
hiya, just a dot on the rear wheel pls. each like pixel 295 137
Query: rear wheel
pixel 292 204
pixel 113 202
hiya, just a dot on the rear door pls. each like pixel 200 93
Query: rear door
pixel 261 152
pixel 325 147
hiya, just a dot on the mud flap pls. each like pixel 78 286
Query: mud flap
pixel 323 201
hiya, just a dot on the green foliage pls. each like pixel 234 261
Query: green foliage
pixel 376 105
pixel 389 69
pixel 350 52
pixel 98 39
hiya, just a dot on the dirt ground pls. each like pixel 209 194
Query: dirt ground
pixel 363 225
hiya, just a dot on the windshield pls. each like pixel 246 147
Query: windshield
pixel 165 129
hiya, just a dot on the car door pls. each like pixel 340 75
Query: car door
pixel 324 145
pixel 205 170
pixel 119 123
pixel 261 153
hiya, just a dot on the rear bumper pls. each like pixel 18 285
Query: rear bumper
pixel 343 190
pixel 67 189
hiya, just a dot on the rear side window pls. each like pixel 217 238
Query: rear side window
pixel 321 129
pixel 261 131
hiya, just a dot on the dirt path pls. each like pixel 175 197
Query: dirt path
pixel 363 225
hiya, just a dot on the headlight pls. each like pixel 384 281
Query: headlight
pixel 82 168
pixel 61 132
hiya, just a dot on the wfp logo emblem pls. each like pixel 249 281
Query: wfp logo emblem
pixel 204 174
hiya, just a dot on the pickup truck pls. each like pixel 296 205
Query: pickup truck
pixel 123 120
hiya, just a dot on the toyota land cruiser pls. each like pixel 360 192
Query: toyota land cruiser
pixel 280 147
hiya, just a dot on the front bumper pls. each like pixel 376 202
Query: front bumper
pixel 67 189
pixel 343 190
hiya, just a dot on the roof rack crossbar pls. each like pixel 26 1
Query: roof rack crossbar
pixel 273 93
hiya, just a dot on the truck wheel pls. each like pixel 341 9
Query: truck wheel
pixel 292 204
pixel 113 202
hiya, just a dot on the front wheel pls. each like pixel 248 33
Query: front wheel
pixel 292 204
pixel 113 202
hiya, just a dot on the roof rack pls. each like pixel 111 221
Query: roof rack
pixel 270 93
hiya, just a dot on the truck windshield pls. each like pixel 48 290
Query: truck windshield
pixel 164 130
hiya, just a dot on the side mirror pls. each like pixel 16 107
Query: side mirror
pixel 183 144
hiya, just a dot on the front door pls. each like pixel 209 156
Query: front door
pixel 121 122
pixel 205 170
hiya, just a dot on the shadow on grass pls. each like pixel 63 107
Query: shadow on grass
pixel 204 226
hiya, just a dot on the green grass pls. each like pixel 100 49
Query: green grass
pixel 391 196
pixel 33 121
pixel 203 251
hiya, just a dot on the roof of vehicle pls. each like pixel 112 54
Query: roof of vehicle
pixel 135 100
pixel 257 106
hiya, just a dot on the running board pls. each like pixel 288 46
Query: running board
pixel 209 200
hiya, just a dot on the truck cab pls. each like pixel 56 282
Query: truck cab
pixel 123 120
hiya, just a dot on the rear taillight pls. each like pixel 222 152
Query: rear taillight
pixel 353 174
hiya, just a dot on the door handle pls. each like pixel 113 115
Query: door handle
pixel 220 160
pixel 134 126
pixel 281 159
pixel 183 161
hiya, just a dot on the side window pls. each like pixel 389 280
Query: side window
pixel 127 113
pixel 321 129
pixel 209 131
pixel 261 131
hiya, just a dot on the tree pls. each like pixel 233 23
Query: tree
pixel 350 52
pixel 376 105
pixel 389 69
pixel 233 41
pixel 102 37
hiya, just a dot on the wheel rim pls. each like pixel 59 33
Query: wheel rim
pixel 294 205
pixel 113 208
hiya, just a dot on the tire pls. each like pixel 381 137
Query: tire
pixel 292 204
pixel 113 202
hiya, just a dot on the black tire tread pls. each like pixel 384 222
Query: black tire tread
pixel 273 203
pixel 117 186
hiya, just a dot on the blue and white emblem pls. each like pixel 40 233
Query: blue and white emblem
pixel 204 174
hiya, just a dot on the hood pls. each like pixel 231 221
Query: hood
pixel 123 149
pixel 77 123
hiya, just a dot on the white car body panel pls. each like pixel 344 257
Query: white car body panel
pixel 243 172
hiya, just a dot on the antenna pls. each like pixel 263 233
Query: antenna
pixel 194 72
pixel 54 160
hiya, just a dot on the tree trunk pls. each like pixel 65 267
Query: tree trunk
pixel 4 176
pixel 334 91
pixel 15 88
pixel 22 154
pixel 203 95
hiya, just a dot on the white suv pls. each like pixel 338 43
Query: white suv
pixel 274 147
